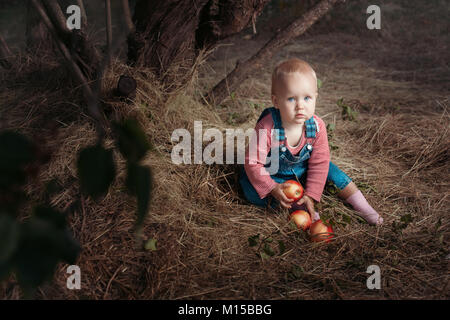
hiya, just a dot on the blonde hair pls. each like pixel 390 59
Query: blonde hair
pixel 290 66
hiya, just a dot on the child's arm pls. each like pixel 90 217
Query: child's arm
pixel 318 164
pixel 309 202
pixel 254 162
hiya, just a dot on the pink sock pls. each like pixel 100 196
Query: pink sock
pixel 364 209
pixel 295 206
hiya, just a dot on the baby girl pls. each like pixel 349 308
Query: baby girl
pixel 301 145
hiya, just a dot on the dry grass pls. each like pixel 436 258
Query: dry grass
pixel 397 152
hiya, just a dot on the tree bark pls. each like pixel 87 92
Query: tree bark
pixel 84 21
pixel 5 54
pixel 171 31
pixel 127 16
pixel 244 70
pixel 220 19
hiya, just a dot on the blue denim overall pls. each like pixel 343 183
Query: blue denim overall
pixel 291 167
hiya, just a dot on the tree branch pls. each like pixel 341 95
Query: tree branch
pixel 108 27
pixel 245 69
pixel 57 17
pixel 127 15
pixel 83 14
pixel 92 101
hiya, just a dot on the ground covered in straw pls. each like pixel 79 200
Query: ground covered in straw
pixel 397 152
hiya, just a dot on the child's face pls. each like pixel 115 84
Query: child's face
pixel 295 97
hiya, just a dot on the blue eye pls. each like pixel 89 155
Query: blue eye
pixel 307 99
pixel 291 99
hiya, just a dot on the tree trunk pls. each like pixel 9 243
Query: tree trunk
pixel 171 31
pixel 245 69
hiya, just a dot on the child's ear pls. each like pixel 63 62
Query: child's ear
pixel 274 101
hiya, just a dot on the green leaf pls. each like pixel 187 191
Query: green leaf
pixel 253 240
pixel 50 215
pixel 319 83
pixel 441 238
pixel 406 219
pixel 297 271
pixel 96 170
pixel 268 250
pixel 346 218
pixel 331 188
pixel 11 201
pixel 264 255
pixel 43 243
pixel 9 236
pixel 16 151
pixel 331 127
pixel 438 225
pixel 281 247
pixel 332 145
pixel 131 140
pixel 139 183
pixel 150 244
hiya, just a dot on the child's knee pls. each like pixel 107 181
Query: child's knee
pixel 338 177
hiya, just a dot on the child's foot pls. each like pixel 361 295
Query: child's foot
pixel 364 209
pixel 295 206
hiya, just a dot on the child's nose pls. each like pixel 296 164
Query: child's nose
pixel 300 106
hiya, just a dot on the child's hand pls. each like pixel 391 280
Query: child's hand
pixel 309 202
pixel 278 194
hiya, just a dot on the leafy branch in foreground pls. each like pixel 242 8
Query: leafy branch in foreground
pixel 32 248
pixel 96 168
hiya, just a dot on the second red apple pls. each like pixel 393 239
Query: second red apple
pixel 302 219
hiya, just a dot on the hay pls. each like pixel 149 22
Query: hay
pixel 396 153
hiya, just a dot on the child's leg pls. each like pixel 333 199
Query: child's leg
pixel 249 191
pixel 352 195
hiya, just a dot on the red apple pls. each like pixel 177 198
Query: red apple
pixel 319 231
pixel 293 190
pixel 302 219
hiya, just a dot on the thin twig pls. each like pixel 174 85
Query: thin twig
pixel 108 28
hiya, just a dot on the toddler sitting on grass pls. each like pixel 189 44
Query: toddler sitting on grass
pixel 296 138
